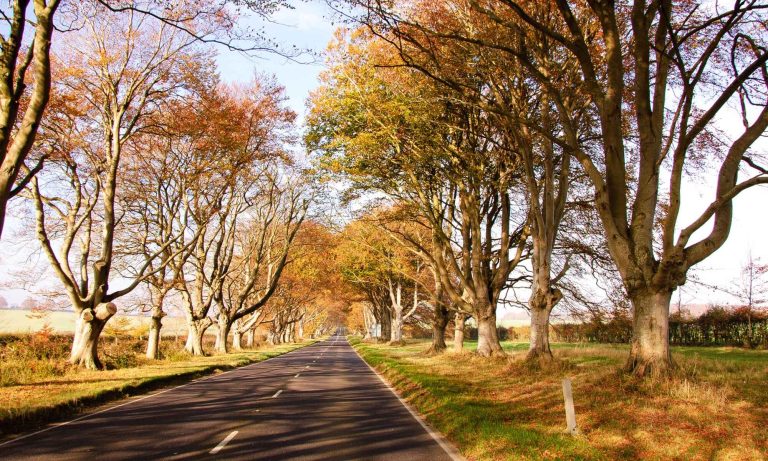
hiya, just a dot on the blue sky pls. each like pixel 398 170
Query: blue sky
pixel 307 26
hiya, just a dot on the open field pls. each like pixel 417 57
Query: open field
pixel 715 406
pixel 37 385
pixel 26 321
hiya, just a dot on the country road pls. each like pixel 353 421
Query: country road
pixel 320 402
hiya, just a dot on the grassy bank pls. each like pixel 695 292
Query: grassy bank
pixel 37 390
pixel 714 407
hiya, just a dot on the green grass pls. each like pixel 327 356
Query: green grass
pixel 713 407
pixel 44 396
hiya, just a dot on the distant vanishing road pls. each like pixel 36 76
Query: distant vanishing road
pixel 320 402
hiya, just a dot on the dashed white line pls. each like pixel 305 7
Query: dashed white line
pixel 307 366
pixel 297 375
pixel 130 402
pixel 277 393
pixel 223 443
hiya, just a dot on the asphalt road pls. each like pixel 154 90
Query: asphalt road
pixel 320 402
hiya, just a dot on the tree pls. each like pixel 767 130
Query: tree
pixel 112 86
pixel 25 82
pixel 308 289
pixel 752 290
pixel 237 146
pixel 656 84
pixel 255 259
pixel 392 132
pixel 25 74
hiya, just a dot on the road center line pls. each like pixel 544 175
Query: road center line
pixel 223 443
pixel 297 375
pixel 277 393
pixel 307 366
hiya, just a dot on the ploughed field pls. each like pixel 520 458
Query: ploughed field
pixel 714 406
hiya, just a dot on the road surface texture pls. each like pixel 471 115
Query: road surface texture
pixel 320 402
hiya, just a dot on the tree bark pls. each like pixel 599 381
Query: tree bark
pixel 459 321
pixel 386 326
pixel 541 303
pixel 488 344
pixel 153 341
pixel 397 326
pixel 222 345
pixel 196 330
pixel 439 325
pixel 88 328
pixel 272 337
pixel 649 353
pixel 539 348
pixel 237 340
pixel 249 339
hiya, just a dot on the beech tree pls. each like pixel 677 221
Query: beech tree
pixel 238 138
pixel 392 132
pixel 255 257
pixel 25 64
pixel 112 86
pixel 309 286
pixel 25 82
pixel 657 76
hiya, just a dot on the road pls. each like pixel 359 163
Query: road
pixel 320 402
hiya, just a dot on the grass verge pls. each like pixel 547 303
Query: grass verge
pixel 712 408
pixel 32 404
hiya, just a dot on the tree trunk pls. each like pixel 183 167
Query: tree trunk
pixel 249 338
pixel 543 300
pixel 649 353
pixel 459 321
pixel 488 344
pixel 386 327
pixel 369 319
pixel 237 338
pixel 272 337
pixel 396 337
pixel 222 345
pixel 88 328
pixel 153 341
pixel 439 325
pixel 196 330
pixel 539 348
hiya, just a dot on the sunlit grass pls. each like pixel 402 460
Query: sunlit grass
pixel 712 407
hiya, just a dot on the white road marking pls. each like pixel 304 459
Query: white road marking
pixel 307 366
pixel 297 375
pixel 277 393
pixel 452 452
pixel 223 443
pixel 194 381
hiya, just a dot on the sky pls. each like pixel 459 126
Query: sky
pixel 309 26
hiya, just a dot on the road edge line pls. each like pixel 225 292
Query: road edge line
pixel 441 440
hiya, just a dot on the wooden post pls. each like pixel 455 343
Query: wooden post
pixel 570 412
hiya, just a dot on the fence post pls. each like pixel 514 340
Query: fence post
pixel 570 412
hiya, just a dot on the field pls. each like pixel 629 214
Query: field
pixel 715 406
pixel 37 384
pixel 26 321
